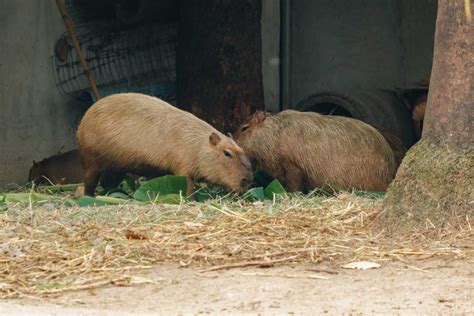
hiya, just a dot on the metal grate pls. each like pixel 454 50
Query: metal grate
pixel 139 60
pixel 122 56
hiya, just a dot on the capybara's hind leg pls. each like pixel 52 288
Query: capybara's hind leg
pixel 91 178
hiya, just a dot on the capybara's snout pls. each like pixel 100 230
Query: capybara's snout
pixel 245 182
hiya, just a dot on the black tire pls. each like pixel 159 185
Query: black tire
pixel 382 109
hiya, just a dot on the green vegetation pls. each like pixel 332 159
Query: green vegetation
pixel 163 190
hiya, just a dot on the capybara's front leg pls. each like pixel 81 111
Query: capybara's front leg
pixel 190 188
pixel 91 178
pixel 293 178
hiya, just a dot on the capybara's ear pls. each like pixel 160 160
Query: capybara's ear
pixel 214 139
pixel 260 116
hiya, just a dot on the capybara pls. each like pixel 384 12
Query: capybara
pixel 399 150
pixel 418 114
pixel 130 130
pixel 306 150
pixel 67 168
pixel 58 169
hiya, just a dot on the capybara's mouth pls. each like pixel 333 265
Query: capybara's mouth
pixel 241 187
pixel 244 189
pixel 245 183
pixel 238 189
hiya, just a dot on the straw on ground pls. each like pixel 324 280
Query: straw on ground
pixel 51 249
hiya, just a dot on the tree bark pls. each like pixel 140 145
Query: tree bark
pixel 450 113
pixel 219 66
pixel 434 184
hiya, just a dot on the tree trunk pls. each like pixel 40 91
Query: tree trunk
pixel 219 67
pixel 434 185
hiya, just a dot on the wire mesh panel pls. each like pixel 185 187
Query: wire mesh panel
pixel 142 60
pixel 122 13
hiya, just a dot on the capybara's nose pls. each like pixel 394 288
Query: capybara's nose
pixel 245 182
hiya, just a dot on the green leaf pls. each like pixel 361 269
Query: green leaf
pixel 129 185
pixel 109 191
pixel 33 197
pixel 90 201
pixel 3 207
pixel 19 197
pixel 161 186
pixel 111 200
pixel 119 195
pixel 168 199
pixel 276 188
pixel 142 180
pixel 37 198
pixel 201 195
pixel 100 200
pixel 208 192
pixel 254 194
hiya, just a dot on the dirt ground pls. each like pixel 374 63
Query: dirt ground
pixel 426 287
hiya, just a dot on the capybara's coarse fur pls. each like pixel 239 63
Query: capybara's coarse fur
pixel 58 169
pixel 399 150
pixel 306 150
pixel 129 131
pixel 418 114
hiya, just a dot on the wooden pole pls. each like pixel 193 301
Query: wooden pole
pixel 77 47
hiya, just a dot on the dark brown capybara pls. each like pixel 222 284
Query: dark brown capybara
pixel 131 130
pixel 306 150
pixel 66 168
pixel 418 114
pixel 399 150
pixel 58 169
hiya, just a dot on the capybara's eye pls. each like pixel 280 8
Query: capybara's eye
pixel 244 128
pixel 227 153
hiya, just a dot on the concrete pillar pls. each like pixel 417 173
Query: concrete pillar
pixel 35 119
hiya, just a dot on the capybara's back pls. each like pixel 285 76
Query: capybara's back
pixel 58 169
pixel 133 131
pixel 306 150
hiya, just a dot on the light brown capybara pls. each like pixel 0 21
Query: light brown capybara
pixel 58 169
pixel 399 150
pixel 131 130
pixel 306 150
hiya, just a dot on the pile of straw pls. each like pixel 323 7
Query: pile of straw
pixel 50 249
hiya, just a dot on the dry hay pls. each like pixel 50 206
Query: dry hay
pixel 51 249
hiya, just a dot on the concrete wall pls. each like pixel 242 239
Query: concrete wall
pixel 417 25
pixel 339 45
pixel 35 119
